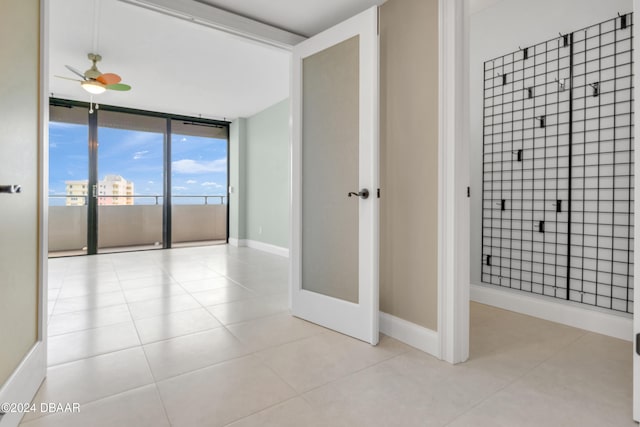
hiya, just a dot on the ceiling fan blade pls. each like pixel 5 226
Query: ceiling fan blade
pixel 109 79
pixel 119 86
pixel 69 78
pixel 74 71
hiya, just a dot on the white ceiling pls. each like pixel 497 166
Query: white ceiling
pixel 178 66
pixel 304 17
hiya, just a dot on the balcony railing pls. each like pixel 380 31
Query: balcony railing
pixel 156 197
pixel 137 224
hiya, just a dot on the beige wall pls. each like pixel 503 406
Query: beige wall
pixel 19 118
pixel 409 160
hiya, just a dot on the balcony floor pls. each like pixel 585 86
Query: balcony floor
pixel 134 248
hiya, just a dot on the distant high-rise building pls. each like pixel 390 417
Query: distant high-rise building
pixel 110 186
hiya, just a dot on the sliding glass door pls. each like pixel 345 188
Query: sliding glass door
pixel 198 183
pixel 68 181
pixel 129 185
pixel 123 180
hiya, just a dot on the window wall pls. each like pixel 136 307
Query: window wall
pixel 132 180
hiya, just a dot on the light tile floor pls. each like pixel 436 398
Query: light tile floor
pixel 202 337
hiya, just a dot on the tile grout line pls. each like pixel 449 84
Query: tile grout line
pixel 146 358
pixel 517 378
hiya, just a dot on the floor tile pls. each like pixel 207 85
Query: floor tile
pixel 157 307
pixel 292 413
pixel 242 311
pixel 92 342
pixel 144 272
pixel 273 331
pixel 207 284
pixel 146 282
pixel 223 393
pixel 152 292
pixel 173 325
pixel 223 295
pixel 317 360
pixel 88 287
pixel 91 277
pixel 184 354
pixel 94 378
pixel 191 274
pixel 522 371
pixel 88 319
pixel 88 302
pixel 137 408
pixel 528 404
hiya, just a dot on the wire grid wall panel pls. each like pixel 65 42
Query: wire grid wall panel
pixel 558 167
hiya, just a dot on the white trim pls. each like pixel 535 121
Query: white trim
pixel 416 336
pixel 453 178
pixel 23 384
pixel 261 246
pixel 222 20
pixel 43 214
pixel 636 234
pixel 266 247
pixel 613 325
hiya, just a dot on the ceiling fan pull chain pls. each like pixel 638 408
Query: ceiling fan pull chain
pixel 91 104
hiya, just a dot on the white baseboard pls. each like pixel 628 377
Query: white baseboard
pixel 261 246
pixel 23 384
pixel 266 247
pixel 411 334
pixel 611 324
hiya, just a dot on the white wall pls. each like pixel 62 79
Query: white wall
pixel 499 30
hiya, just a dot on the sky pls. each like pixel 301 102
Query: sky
pixel 199 164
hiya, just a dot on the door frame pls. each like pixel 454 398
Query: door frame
pixel 636 229
pixel 453 174
pixel 25 381
pixel 453 245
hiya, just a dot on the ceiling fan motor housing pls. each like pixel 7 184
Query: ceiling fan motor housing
pixel 93 72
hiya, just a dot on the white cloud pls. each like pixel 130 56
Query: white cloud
pixel 150 182
pixel 211 184
pixel 139 154
pixel 179 188
pixel 192 181
pixel 189 166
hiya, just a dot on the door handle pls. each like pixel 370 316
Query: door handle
pixel 10 189
pixel 364 193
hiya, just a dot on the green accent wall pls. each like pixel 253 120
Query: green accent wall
pixel 260 177
pixel 267 176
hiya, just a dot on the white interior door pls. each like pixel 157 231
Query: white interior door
pixel 334 256
pixel 23 191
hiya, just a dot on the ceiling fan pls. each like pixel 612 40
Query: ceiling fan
pixel 94 81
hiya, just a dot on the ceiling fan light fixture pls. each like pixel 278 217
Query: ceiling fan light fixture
pixel 93 87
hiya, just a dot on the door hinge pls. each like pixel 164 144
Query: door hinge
pixel 378 193
pixel 638 344
pixel 468 191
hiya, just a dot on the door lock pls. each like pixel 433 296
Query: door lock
pixel 364 193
